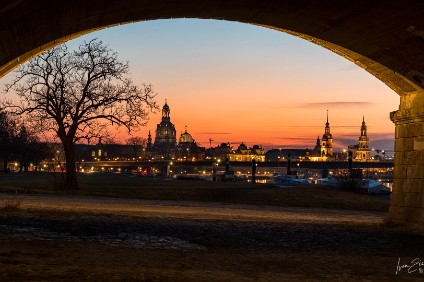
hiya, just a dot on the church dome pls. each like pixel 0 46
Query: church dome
pixel 186 137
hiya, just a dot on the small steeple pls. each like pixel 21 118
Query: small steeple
pixel 185 128
pixel 327 119
pixel 149 141
pixel 363 127
pixel 327 127
pixel 166 111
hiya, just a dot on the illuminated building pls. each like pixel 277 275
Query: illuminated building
pixel 244 154
pixel 219 152
pixel 187 149
pixel 327 141
pixel 165 140
pixel 361 151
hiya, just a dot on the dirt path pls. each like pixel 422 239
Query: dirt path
pixel 197 210
pixel 97 239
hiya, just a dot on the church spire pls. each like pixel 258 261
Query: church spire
pixel 327 117
pixel 166 111
pixel 363 127
pixel 327 126
pixel 149 141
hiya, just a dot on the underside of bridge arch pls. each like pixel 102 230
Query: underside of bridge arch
pixel 386 38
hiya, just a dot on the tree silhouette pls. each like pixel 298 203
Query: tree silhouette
pixel 7 136
pixel 28 149
pixel 78 95
pixel 137 144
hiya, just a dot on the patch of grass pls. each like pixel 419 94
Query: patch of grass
pixel 129 186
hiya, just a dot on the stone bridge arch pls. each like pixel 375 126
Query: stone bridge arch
pixel 385 37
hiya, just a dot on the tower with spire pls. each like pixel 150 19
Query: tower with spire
pixel 327 141
pixel 166 139
pixel 317 148
pixel 363 152
pixel 149 142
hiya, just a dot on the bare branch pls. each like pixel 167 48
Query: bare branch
pixel 80 94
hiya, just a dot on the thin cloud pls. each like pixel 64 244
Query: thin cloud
pixel 382 136
pixel 297 138
pixel 311 126
pixel 214 133
pixel 332 105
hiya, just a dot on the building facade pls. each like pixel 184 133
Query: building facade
pixel 327 141
pixel 244 154
pixel 187 149
pixel 165 139
pixel 361 151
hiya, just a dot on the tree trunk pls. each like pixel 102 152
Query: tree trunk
pixel 71 174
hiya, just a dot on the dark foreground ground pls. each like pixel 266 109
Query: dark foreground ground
pixel 80 238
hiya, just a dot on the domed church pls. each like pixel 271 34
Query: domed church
pixel 166 138
pixel 187 148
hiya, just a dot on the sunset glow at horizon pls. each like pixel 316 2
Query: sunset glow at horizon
pixel 235 82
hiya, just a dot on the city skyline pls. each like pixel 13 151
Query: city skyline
pixel 238 83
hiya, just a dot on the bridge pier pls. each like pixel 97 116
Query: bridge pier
pixel 407 199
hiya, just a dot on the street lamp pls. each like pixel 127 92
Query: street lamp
pixel 279 157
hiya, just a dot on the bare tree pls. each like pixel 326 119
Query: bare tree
pixel 78 95
pixel 7 135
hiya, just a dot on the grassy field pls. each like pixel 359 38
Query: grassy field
pixel 130 186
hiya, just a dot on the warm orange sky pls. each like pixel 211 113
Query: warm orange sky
pixel 235 83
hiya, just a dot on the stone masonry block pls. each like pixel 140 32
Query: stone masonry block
pixel 412 129
pixel 422 202
pixel 398 184
pixel 399 159
pixel 400 171
pixel 413 200
pixel 397 199
pixel 397 213
pixel 398 132
pixel 401 131
pixel 414 171
pixel 413 214
pixel 411 157
pixel 420 129
pixel 399 145
pixel 415 227
pixel 419 143
pixel 408 144
pixel 413 185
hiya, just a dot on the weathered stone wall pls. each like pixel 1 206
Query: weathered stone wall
pixel 407 203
